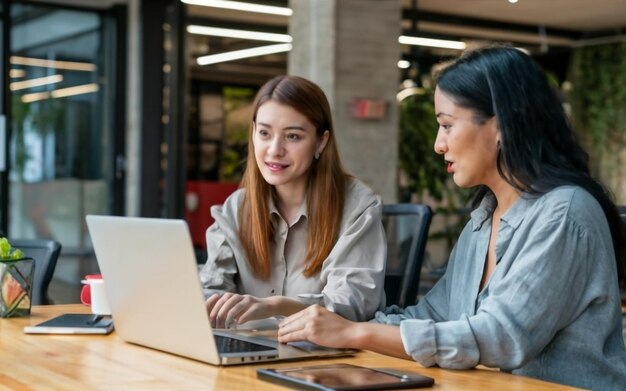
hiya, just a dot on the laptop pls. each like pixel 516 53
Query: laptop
pixel 156 299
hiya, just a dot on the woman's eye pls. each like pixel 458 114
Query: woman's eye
pixel 263 132
pixel 446 127
pixel 293 137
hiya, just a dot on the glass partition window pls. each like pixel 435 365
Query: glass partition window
pixel 59 143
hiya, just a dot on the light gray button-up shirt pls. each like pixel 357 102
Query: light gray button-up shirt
pixel 551 309
pixel 350 282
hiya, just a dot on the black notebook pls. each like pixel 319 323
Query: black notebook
pixel 73 324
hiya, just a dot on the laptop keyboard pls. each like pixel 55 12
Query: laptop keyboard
pixel 232 345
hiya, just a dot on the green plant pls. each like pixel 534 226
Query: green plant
pixel 41 117
pixel 7 252
pixel 598 102
pixel 238 112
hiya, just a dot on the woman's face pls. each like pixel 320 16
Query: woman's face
pixel 467 142
pixel 285 144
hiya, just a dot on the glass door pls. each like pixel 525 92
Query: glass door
pixel 62 143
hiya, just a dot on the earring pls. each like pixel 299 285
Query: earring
pixel 317 155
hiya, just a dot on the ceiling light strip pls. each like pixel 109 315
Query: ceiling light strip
pixel 15 73
pixel 41 62
pixel 40 81
pixel 34 97
pixel 245 53
pixel 431 42
pixel 242 6
pixel 402 95
pixel 243 34
pixel 76 90
pixel 61 93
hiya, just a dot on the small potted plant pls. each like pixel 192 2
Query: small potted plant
pixel 16 281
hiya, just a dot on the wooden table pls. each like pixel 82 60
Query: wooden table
pixel 68 362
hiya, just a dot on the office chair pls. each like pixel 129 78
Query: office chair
pixel 45 254
pixel 406 227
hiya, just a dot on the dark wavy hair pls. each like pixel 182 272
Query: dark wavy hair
pixel 538 149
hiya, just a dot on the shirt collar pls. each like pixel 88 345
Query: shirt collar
pixel 302 212
pixel 483 212
pixel 513 217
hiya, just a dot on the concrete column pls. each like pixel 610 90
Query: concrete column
pixel 350 48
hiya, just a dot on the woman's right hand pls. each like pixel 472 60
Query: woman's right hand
pixel 233 308
pixel 321 326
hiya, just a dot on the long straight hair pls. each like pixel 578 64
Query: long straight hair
pixel 326 185
pixel 538 150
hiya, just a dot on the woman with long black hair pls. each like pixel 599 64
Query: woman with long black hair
pixel 532 286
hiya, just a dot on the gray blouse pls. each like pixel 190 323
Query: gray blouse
pixel 350 282
pixel 551 308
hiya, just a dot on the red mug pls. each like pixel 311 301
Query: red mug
pixel 85 292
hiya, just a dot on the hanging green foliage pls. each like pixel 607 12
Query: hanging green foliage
pixel 598 100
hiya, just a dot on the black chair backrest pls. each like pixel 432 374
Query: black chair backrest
pixel 45 253
pixel 406 227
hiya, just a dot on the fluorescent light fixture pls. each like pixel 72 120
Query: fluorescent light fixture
pixel 430 42
pixel 242 6
pixel 243 34
pixel 76 90
pixel 513 1
pixel 245 53
pixel 41 62
pixel 405 93
pixel 404 64
pixel 40 81
pixel 61 93
pixel 34 97
pixel 15 73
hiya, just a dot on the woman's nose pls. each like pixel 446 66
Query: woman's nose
pixel 440 144
pixel 276 147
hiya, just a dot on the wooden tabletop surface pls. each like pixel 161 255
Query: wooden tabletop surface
pixel 67 362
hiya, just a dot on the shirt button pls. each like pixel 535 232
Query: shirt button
pixel 272 291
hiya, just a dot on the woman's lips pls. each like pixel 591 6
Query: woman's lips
pixel 449 169
pixel 275 166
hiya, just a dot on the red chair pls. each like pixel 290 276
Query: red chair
pixel 200 196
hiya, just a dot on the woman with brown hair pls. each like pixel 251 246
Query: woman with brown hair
pixel 300 230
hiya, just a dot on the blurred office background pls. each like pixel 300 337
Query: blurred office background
pixel 142 107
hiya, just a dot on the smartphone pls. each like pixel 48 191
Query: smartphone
pixel 343 377
pixel 73 324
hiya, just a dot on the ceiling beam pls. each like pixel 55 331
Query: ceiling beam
pixel 424 16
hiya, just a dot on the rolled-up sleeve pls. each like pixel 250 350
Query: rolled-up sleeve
pixel 428 336
pixel 354 271
pixel 447 344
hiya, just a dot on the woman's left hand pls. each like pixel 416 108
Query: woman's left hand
pixel 318 325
